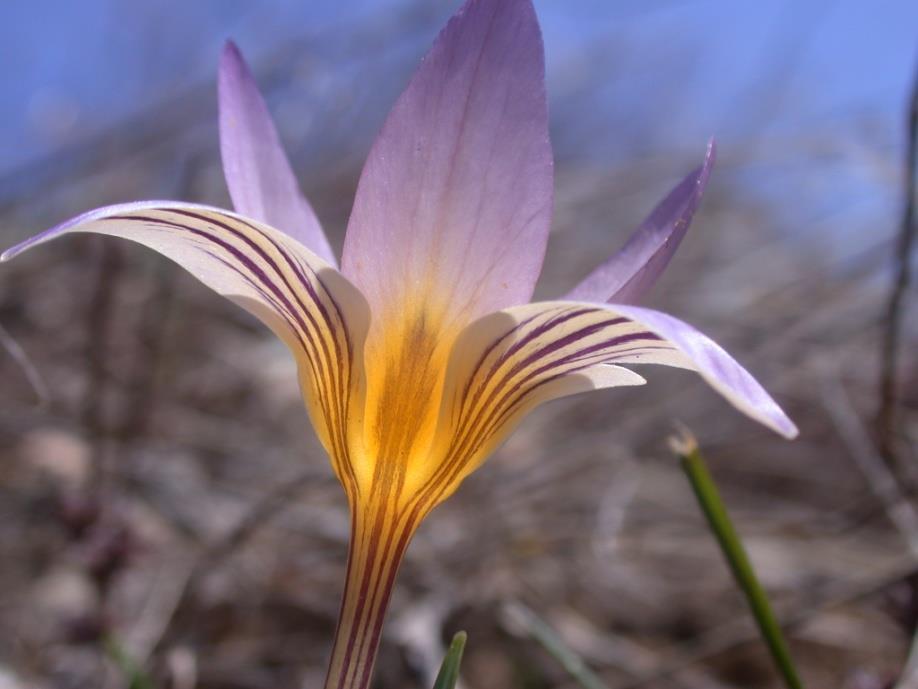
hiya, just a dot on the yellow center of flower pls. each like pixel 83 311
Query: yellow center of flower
pixel 409 352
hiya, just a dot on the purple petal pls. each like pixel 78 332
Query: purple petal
pixel 258 174
pixel 718 368
pixel 628 275
pixel 454 203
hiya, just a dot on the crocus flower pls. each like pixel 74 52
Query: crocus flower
pixel 422 352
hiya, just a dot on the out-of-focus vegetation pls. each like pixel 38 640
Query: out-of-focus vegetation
pixel 165 490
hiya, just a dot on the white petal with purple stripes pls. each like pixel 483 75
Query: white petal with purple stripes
pixel 306 302
pixel 506 363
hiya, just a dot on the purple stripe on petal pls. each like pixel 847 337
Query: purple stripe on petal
pixel 556 321
pixel 540 365
pixel 564 343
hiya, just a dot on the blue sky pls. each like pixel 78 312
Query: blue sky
pixel 72 68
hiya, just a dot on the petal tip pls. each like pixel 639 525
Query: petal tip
pixel 23 246
pixel 771 415
pixel 787 428
pixel 711 152
pixel 233 68
pixel 768 413
pixel 230 53
pixel 703 172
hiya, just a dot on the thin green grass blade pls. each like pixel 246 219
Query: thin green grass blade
pixel 542 632
pixel 135 676
pixel 714 510
pixel 449 670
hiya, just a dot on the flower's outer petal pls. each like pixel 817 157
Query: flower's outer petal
pixel 308 304
pixel 508 362
pixel 258 174
pixel 629 274
pixel 454 203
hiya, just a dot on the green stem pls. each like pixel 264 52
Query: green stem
pixel 719 520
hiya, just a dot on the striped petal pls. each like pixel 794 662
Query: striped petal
pixel 628 275
pixel 308 304
pixel 453 207
pixel 258 173
pixel 507 363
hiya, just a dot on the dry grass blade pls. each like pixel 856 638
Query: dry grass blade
pixel 25 364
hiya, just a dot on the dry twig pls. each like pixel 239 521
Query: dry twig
pixel 882 481
pixel 886 420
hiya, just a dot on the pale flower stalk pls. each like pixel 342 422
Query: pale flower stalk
pixel 422 352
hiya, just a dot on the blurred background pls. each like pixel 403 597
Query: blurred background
pixel 164 501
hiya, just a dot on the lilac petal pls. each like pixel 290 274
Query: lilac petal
pixel 308 304
pixel 258 174
pixel 714 364
pixel 628 275
pixel 453 207
pixel 510 361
